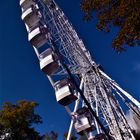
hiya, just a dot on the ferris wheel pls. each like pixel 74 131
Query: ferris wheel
pixel 75 77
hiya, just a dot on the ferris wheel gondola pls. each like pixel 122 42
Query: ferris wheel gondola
pixel 65 92
pixel 31 16
pixel 25 4
pixel 38 36
pixel 49 61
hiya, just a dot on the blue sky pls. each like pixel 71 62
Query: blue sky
pixel 21 78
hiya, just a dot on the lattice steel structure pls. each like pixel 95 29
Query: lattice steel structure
pixel 48 27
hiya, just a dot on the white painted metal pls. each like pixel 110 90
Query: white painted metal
pixel 62 93
pixel 38 37
pixel 129 96
pixel 31 16
pixel 49 61
pixel 25 4
pixel 65 92
pixel 82 124
pixel 75 108
pixel 83 121
pixel 99 89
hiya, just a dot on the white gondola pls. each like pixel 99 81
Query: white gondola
pixel 25 4
pixel 31 16
pixel 49 61
pixel 65 92
pixel 83 121
pixel 39 36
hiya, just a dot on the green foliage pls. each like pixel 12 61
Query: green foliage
pixel 73 137
pixel 124 14
pixel 18 119
pixel 51 136
pixel 54 136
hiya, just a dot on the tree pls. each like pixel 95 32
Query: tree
pixel 16 121
pixel 51 136
pixel 74 137
pixel 124 14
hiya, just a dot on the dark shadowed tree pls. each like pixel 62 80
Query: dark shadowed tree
pixel 124 14
pixel 16 121
pixel 74 137
pixel 51 136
